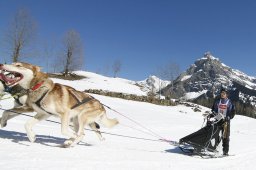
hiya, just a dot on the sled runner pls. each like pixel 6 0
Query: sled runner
pixel 205 141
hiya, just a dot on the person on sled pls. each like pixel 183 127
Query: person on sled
pixel 224 106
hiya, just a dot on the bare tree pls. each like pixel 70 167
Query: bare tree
pixel 73 52
pixel 116 67
pixel 20 34
pixel 170 72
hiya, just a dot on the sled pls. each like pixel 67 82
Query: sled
pixel 205 141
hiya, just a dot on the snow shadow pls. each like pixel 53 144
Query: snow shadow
pixel 175 150
pixel 20 138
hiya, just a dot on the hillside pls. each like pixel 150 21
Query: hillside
pixel 98 82
pixel 119 152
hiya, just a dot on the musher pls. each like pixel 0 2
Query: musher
pixel 225 107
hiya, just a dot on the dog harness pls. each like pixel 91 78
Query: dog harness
pixel 79 103
pixel 16 92
pixel 38 103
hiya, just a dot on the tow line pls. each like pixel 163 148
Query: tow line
pixel 113 134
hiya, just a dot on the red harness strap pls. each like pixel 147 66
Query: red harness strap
pixel 37 86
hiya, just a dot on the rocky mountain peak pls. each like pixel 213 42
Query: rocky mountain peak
pixel 207 64
pixel 207 76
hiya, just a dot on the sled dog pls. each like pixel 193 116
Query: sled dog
pixel 20 96
pixel 47 98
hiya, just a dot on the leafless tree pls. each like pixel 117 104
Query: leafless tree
pixel 20 34
pixel 170 72
pixel 73 52
pixel 116 67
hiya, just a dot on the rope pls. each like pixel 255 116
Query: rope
pixel 150 132
pixel 137 123
pixel 113 134
pixel 147 133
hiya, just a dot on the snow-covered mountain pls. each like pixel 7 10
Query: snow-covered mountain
pixel 153 83
pixel 206 77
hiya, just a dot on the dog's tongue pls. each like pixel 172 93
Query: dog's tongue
pixel 6 79
pixel 1 76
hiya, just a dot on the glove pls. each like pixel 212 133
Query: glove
pixel 212 114
pixel 208 123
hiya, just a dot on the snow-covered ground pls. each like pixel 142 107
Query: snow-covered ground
pixel 96 81
pixel 116 152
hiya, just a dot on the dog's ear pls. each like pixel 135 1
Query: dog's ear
pixel 36 69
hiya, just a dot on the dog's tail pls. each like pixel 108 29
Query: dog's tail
pixel 108 122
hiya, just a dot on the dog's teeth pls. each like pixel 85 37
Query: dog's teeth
pixel 6 73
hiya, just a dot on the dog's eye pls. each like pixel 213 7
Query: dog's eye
pixel 18 65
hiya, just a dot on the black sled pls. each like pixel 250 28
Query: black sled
pixel 206 140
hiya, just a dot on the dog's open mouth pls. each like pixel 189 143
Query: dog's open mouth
pixel 10 77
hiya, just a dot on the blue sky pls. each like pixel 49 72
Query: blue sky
pixel 146 34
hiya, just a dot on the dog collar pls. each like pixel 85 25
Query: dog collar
pixel 37 86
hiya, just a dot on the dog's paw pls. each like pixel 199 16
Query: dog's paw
pixel 3 123
pixel 32 138
pixel 68 143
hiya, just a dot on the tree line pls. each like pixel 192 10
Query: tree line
pixel 19 39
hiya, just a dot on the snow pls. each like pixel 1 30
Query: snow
pixel 249 87
pixel 241 74
pixel 185 77
pixel 193 95
pixel 153 83
pixel 96 81
pixel 247 80
pixel 115 153
pixel 207 57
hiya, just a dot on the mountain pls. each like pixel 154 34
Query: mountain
pixel 207 76
pixel 153 83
